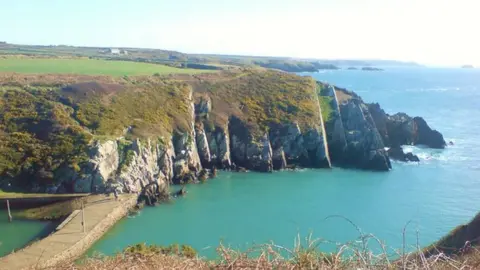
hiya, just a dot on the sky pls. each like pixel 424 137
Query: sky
pixel 431 32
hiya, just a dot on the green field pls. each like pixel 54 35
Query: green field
pixel 87 66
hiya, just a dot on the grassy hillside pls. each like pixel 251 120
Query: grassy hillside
pixel 86 66
pixel 48 121
pixel 263 98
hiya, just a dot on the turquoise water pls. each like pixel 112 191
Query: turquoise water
pixel 241 209
pixel 17 234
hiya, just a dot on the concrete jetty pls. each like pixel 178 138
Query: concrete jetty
pixel 70 241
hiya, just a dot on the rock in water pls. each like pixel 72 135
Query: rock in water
pixel 398 154
pixel 401 129
pixel 426 136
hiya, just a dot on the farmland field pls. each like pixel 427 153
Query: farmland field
pixel 87 66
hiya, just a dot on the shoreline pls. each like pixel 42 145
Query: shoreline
pixel 70 242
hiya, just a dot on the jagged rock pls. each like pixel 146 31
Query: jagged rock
pixel 289 139
pixel 381 120
pixel 278 159
pixel 153 193
pixel 203 175
pixel 102 164
pixel 305 149
pixel 219 143
pixel 249 151
pixel 187 161
pixel 166 159
pixel 316 146
pixel 202 146
pixel 365 148
pixel 401 129
pixel 398 154
pixel 143 167
pixel 426 136
pixel 335 131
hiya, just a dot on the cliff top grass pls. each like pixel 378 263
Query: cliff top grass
pixel 87 66
pixel 262 98
pixel 271 256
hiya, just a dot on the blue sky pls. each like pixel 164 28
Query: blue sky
pixel 436 32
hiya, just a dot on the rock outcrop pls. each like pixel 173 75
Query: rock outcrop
pixel 401 129
pixel 102 165
pixel 202 145
pixel 335 131
pixel 219 143
pixel 397 153
pixel 250 151
pixel 365 148
pixel 142 168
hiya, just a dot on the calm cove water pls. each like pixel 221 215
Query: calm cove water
pixel 18 233
pixel 436 195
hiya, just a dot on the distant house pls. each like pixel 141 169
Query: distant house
pixel 114 51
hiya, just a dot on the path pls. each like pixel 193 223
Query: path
pixel 101 213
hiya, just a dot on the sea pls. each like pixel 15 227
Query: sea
pixel 411 206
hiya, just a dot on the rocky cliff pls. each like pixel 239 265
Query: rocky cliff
pixel 90 134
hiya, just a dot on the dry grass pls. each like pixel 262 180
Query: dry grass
pixel 355 254
pixel 270 256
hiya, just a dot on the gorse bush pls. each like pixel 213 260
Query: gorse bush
pixel 174 249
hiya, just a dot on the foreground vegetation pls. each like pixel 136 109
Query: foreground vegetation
pixel 270 256
pixel 87 66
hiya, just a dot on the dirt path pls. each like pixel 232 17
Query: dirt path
pixel 101 213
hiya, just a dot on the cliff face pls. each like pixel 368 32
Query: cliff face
pixel 153 131
pixel 401 129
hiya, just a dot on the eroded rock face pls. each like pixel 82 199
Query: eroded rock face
pixel 401 129
pixel 365 148
pixel 249 151
pixel 187 161
pixel 291 146
pixel 315 145
pixel 381 119
pixel 279 162
pixel 219 143
pixel 143 168
pixel 335 131
pixel 202 146
pixel 101 166
pixel 426 136
pixel 288 139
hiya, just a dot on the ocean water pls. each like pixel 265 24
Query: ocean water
pixel 243 209
pixel 15 235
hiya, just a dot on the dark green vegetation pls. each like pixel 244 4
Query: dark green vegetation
pixel 38 135
pixel 174 249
